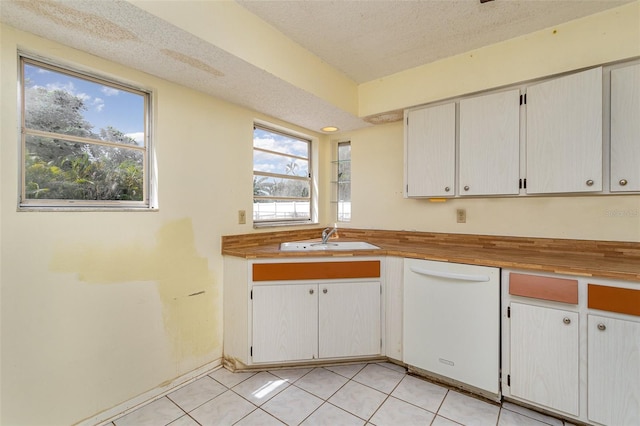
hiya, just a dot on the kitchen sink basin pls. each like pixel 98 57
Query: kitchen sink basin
pixel 332 245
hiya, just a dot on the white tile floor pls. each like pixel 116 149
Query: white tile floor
pixel 358 394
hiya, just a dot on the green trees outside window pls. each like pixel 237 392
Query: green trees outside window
pixel 83 139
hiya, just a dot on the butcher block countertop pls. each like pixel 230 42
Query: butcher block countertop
pixel 601 259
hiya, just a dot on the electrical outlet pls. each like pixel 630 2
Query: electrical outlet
pixel 461 216
pixel 242 217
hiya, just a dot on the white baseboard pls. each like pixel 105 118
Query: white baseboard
pixel 119 410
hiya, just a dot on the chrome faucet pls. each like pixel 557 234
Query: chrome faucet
pixel 328 232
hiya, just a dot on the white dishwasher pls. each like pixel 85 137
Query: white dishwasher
pixel 452 322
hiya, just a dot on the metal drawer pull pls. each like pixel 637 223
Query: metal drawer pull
pixel 566 320
pixel 461 277
pixel 324 291
pixel 466 188
pixel 447 189
pixel 589 182
pixel 602 327
pixel 311 291
pixel 623 182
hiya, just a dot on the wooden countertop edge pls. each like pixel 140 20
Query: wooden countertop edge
pixel 271 251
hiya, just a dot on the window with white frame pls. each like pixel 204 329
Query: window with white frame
pixel 84 139
pixel 343 182
pixel 282 180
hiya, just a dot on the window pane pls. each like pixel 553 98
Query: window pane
pixel 344 151
pixel 280 187
pixel 344 182
pixel 58 169
pixel 280 143
pixel 280 210
pixel 274 163
pixel 282 177
pixel 61 103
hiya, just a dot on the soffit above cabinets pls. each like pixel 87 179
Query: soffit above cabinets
pixel 323 49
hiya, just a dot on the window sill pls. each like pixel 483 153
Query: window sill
pixel 85 209
pixel 257 225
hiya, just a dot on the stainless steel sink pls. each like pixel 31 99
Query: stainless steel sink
pixel 318 246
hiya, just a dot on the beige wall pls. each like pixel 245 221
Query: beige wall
pixel 95 305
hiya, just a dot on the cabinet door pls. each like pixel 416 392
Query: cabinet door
pixel 285 323
pixel 564 134
pixel 544 356
pixel 625 129
pixel 614 371
pixel 490 144
pixel 430 151
pixel 349 319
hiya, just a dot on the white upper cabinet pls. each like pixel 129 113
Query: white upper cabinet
pixel 430 151
pixel 625 129
pixel 490 144
pixel 564 134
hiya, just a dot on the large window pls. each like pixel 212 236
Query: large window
pixel 282 181
pixel 84 140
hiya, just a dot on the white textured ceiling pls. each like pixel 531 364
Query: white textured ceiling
pixel 368 40
pixel 365 40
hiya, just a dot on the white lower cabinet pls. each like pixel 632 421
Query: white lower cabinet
pixel 285 322
pixel 349 319
pixel 297 322
pixel 545 356
pixel 571 346
pixel 614 371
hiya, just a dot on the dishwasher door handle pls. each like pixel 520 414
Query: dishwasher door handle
pixel 450 275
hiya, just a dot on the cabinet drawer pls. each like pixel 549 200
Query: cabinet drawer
pixel 315 270
pixel 545 288
pixel 614 299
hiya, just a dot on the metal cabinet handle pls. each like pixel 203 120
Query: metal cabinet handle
pixel 310 291
pixel 466 187
pixel 602 327
pixel 623 182
pixel 590 182
pixel 566 320
pixel 324 290
pixel 447 189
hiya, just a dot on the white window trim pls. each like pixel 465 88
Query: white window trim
pixel 313 167
pixel 150 202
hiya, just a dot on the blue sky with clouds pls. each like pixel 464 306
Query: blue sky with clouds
pixel 106 106
pixel 273 163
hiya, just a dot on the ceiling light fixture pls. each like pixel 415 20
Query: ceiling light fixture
pixel 330 129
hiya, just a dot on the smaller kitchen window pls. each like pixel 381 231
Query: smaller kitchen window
pixel 343 182
pixel 282 177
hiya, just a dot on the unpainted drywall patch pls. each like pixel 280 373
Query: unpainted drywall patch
pixel 80 21
pixel 192 62
pixel 185 284
pixel 385 117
